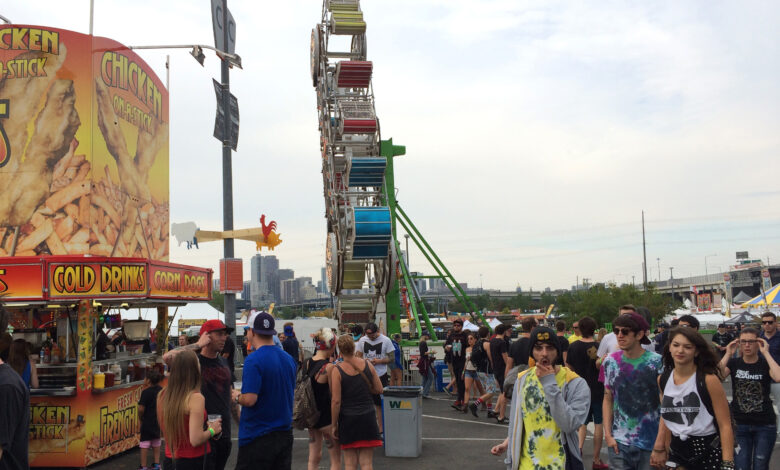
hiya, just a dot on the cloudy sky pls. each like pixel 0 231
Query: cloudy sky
pixel 536 131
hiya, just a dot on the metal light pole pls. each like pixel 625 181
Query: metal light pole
pixel 706 272
pixel 659 269
pixel 406 236
pixel 227 170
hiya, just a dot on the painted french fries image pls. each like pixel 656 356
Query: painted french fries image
pixel 55 201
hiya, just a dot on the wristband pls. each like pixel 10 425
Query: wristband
pixel 659 450
pixel 211 431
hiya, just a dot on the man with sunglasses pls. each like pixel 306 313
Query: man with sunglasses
pixel 769 325
pixel 631 401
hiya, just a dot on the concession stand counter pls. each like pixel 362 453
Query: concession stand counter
pixel 86 409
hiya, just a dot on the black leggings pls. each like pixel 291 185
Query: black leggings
pixel 457 369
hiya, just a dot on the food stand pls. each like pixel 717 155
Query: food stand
pixel 75 420
pixel 84 229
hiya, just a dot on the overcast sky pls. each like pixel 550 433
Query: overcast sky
pixel 536 131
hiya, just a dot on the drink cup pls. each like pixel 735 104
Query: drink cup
pixel 213 418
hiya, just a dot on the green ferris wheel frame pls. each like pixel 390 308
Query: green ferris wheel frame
pixel 393 298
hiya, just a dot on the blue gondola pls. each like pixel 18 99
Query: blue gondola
pixel 372 233
pixel 367 171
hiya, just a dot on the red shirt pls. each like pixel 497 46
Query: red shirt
pixel 185 449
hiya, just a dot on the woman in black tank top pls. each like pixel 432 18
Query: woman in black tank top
pixel 353 381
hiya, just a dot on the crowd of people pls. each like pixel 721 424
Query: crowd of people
pixel 666 410
pixel 346 375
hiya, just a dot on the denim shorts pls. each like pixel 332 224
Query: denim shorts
pixel 471 374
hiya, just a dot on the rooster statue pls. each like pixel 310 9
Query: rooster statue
pixel 270 237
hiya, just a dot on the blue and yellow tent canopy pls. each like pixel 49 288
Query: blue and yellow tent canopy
pixel 772 298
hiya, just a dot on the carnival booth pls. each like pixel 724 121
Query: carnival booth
pixel 86 407
pixel 84 234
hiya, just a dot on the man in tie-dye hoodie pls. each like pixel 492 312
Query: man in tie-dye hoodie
pixel 631 400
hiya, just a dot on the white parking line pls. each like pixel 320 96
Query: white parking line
pixel 465 421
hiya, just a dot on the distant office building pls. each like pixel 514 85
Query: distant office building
pixel 322 286
pixel 215 284
pixel 437 284
pixel 419 283
pixel 264 272
pixel 287 291
pixel 282 275
pixel 307 292
pixel 246 293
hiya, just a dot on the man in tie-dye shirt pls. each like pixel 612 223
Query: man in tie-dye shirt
pixel 631 400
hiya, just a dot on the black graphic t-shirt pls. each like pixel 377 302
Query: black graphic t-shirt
pixel 750 388
pixel 215 387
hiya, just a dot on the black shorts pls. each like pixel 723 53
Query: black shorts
pixel 378 398
pixel 195 463
pixel 500 379
pixel 272 451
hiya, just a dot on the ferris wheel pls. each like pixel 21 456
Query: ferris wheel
pixel 360 252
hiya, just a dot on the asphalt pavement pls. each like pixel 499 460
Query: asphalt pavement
pixel 450 440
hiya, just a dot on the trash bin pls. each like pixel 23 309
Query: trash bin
pixel 442 375
pixel 402 412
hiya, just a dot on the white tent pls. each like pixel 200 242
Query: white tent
pixel 493 322
pixel 191 311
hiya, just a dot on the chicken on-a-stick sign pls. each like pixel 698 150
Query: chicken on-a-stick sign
pixel 264 236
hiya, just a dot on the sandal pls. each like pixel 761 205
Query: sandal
pixel 599 465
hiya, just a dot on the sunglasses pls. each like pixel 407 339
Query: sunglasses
pixel 748 341
pixel 622 331
pixel 576 327
pixel 768 322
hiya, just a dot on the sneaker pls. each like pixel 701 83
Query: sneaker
pixel 456 405
pixel 492 414
pixel 426 396
pixel 502 421
pixel 599 465
pixel 447 391
pixel 156 466
pixel 473 408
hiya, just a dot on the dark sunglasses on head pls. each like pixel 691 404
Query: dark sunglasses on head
pixel 622 331
pixel 576 327
pixel 769 322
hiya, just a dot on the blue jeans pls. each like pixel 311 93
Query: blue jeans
pixel 628 458
pixel 427 381
pixel 754 446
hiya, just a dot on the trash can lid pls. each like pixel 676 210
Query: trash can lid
pixel 403 391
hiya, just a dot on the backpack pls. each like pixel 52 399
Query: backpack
pixel 701 388
pixel 305 411
pixel 478 355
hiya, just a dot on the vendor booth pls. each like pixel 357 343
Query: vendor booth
pixel 86 409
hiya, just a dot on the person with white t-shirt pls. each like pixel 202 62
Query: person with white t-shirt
pixel 377 349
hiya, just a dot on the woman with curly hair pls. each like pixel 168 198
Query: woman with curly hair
pixel 318 369
pixel 695 418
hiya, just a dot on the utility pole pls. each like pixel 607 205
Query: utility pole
pixel 644 253
pixel 227 168
pixel 671 276
pixel 659 269
pixel 632 279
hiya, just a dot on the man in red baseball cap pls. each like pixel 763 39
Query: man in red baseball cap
pixel 216 383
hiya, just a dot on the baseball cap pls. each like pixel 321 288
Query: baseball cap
pixel 213 325
pixel 642 324
pixel 263 324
